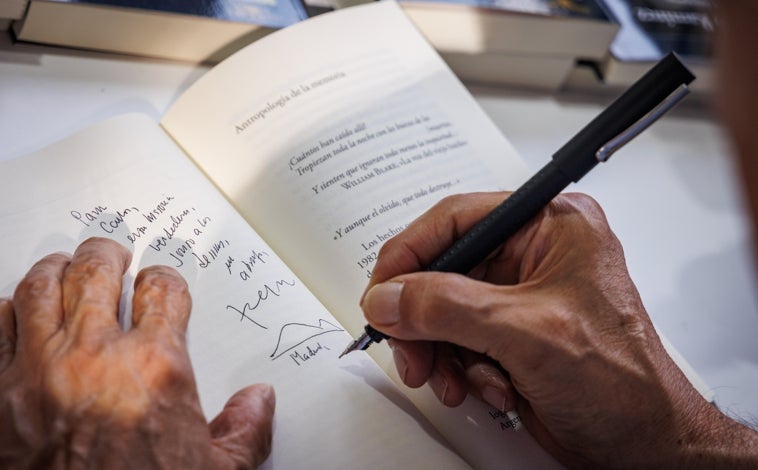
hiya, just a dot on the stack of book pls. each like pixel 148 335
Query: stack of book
pixel 187 30
pixel 525 43
pixel 652 28
pixel 533 43
pixel 11 10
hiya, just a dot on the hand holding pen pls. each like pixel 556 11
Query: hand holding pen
pixel 659 90
pixel 557 306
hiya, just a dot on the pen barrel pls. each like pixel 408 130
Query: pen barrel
pixel 503 221
pixel 577 156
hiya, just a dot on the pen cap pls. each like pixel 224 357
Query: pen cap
pixel 577 156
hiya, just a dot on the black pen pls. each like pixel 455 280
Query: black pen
pixel 662 87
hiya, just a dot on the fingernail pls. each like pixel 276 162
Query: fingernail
pixel 495 397
pixel 382 303
pixel 514 419
pixel 438 383
pixel 401 363
pixel 268 394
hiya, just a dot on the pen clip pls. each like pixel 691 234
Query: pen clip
pixel 610 147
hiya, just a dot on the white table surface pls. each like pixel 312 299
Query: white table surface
pixel 672 196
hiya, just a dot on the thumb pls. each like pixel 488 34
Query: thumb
pixel 241 433
pixel 443 307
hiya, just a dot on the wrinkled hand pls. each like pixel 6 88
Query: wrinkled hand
pixel 555 308
pixel 78 391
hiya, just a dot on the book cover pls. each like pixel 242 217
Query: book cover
pixel 582 9
pixel 652 28
pixel 192 30
pixel 481 39
pixel 272 13
pixel 12 9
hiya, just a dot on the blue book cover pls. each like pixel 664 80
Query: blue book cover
pixel 580 9
pixel 270 13
pixel 652 28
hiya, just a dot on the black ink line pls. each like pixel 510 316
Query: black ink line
pixel 262 295
pixel 244 315
pixel 276 354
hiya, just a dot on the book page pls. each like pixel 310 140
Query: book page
pixel 331 149
pixel 126 180
pixel 330 137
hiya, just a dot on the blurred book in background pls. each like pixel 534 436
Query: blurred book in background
pixel 187 30
pixel 11 10
pixel 652 28
pixel 523 43
pixel 515 42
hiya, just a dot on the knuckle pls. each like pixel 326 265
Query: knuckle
pixel 464 201
pixel 104 249
pixel 162 278
pixel 582 204
pixel 451 202
pixel 584 214
pixel 56 258
pixel 37 284
pixel 92 267
pixel 389 246
pixel 102 242
pixel 456 203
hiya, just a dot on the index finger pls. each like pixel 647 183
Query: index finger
pixel 92 285
pixel 431 234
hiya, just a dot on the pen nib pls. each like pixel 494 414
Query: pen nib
pixel 360 344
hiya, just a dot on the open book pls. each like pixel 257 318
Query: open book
pixel 270 185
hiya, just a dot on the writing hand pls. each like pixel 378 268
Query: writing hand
pixel 556 308
pixel 78 391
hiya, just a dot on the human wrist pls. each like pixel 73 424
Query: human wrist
pixel 718 441
pixel 682 430
pixel 696 434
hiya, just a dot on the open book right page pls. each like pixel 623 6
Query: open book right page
pixel 330 137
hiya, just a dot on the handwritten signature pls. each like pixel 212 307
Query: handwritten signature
pixel 263 295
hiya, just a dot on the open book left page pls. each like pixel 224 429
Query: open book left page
pixel 126 180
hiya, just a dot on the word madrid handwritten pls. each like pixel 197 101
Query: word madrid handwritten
pixel 309 352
